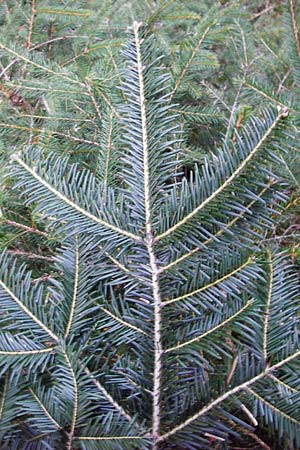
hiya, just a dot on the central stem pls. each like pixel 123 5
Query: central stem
pixel 157 371
pixel 158 351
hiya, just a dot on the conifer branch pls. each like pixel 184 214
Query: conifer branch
pixel 109 438
pixel 31 22
pixel 123 268
pixel 273 407
pixel 39 66
pixel 268 96
pixel 106 394
pixel 123 322
pixel 72 204
pixel 24 308
pixel 3 397
pixel 188 64
pixel 281 383
pixel 101 93
pixel 268 306
pixel 27 352
pixel 108 156
pixel 228 394
pixel 29 255
pixel 158 350
pixel 219 233
pixel 95 105
pixel 24 227
pixel 156 283
pixel 208 286
pixel 228 181
pixel 75 292
pixel 44 409
pixel 212 330
pixel 295 27
pixel 57 133
pixel 75 403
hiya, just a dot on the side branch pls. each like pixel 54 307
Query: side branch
pixel 212 330
pixel 228 394
pixel 75 403
pixel 31 21
pixel 109 438
pixel 123 322
pixel 295 28
pixel 103 391
pixel 39 66
pixel 273 407
pixel 28 313
pixel 25 227
pixel 267 311
pixel 212 284
pixel 229 225
pixel 75 292
pixel 4 393
pixel 44 409
pixel 229 180
pixel 27 352
pixel 69 202
pixel 188 64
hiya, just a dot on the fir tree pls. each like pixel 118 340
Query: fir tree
pixel 160 312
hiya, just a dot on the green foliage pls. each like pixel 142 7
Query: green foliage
pixel 167 322
pixel 60 68
pixel 168 317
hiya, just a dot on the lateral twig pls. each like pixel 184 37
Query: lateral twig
pixel 31 22
pixel 25 227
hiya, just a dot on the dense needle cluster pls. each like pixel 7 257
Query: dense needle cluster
pixel 168 316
